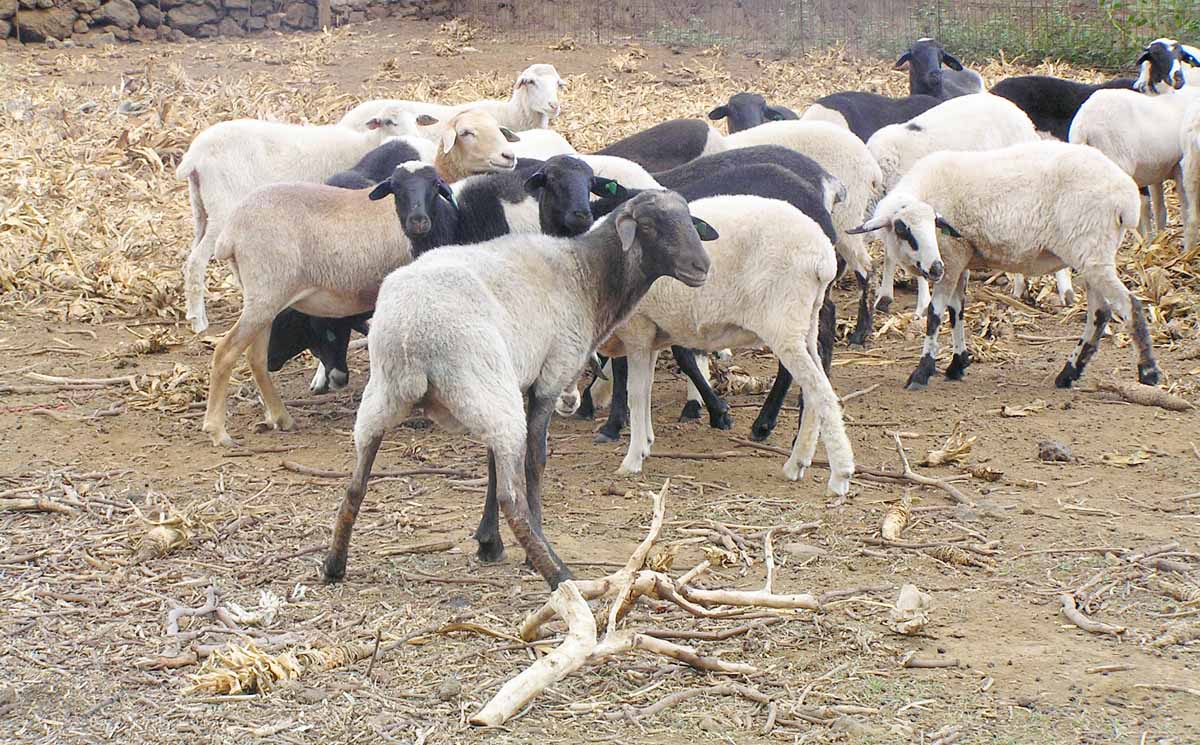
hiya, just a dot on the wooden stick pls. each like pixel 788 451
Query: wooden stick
pixel 926 480
pixel 1073 614
pixel 1145 395
pixel 129 379
pixel 1168 687
pixel 326 474
pixel 35 505
pixel 678 697
pixel 560 662
pixel 432 547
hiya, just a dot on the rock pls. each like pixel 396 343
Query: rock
pixel 313 695
pixel 85 6
pixel 230 27
pixel 40 25
pixel 375 12
pixel 178 36
pixel 708 724
pixel 236 4
pixel 1054 452
pixel 804 550
pixel 120 13
pixel 81 26
pixel 52 43
pixel 5 29
pixel 357 16
pixel 120 33
pixel 44 4
pixel 261 7
pixel 8 8
pixel 256 23
pixel 28 4
pixel 143 34
pixel 99 40
pixel 275 21
pixel 300 15
pixel 151 16
pixel 241 16
pixel 450 689
pixel 207 31
pixel 189 18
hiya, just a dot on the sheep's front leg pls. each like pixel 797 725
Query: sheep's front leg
pixel 618 408
pixel 922 299
pixel 768 415
pixel 887 280
pixel 277 414
pixel 958 330
pixel 694 364
pixel 1098 316
pixel 491 545
pixel 928 365
pixel 1159 200
pixel 641 435
pixel 1145 221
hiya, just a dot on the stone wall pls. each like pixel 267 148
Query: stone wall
pixel 107 21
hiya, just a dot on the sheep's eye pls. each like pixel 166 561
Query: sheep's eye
pixel 466 133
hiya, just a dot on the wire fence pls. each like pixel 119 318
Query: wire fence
pixel 1102 32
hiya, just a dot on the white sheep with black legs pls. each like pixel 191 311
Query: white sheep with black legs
pixel 469 332
pixel 973 122
pixel 770 268
pixel 1029 208
pixel 533 105
pixel 229 160
pixel 847 158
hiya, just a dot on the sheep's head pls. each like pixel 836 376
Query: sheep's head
pixel 910 233
pixel 562 187
pixel 473 143
pixel 657 231
pixel 537 89
pixel 414 186
pixel 1162 62
pixel 746 110
pixel 924 60
pixel 394 122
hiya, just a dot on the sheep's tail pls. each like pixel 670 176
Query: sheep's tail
pixel 203 247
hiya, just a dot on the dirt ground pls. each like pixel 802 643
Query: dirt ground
pixel 93 227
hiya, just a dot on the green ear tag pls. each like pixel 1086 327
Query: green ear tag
pixel 611 188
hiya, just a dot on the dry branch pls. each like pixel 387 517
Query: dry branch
pixel 35 504
pixel 327 474
pixel 1145 395
pixel 1075 616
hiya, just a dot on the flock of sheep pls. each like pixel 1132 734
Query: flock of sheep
pixel 676 236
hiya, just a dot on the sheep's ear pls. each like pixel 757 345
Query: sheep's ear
pixel 949 60
pixel 523 82
pixel 447 193
pixel 425 120
pixel 381 190
pixel 719 113
pixel 1190 55
pixel 606 187
pixel 778 114
pixel 904 60
pixel 946 227
pixel 448 137
pixel 626 230
pixel 704 230
pixel 535 182
pixel 1144 58
pixel 509 134
pixel 869 226
pixel 561 84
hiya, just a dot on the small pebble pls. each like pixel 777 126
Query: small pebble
pixel 708 724
pixel 1054 452
pixel 450 689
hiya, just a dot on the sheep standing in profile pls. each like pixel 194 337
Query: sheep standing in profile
pixel 468 332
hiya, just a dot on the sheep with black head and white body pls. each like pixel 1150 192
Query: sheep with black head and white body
pixel 469 333
pixel 1030 208
pixel 932 71
pixel 746 110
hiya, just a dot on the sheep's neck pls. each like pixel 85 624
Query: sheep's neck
pixel 618 285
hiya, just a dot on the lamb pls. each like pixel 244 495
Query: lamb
pixel 551 197
pixel 541 144
pixel 762 180
pixel 668 145
pixel 978 121
pixel 1140 133
pixel 1189 143
pixel 468 332
pixel 1028 208
pixel 770 270
pixel 229 160
pixel 865 113
pixel 533 105
pixel 746 110
pixel 849 160
pixel 926 77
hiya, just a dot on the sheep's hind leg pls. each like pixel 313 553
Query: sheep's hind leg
pixel 768 415
pixel 277 414
pixel 491 545
pixel 510 492
pixel 1159 200
pixel 229 348
pixel 641 432
pixel 862 327
pixel 1098 316
pixel 694 364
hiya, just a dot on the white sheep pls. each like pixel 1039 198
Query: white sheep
pixel 533 105
pixel 541 144
pixel 770 268
pixel 1029 208
pixel 622 170
pixel 1189 201
pixel 1140 133
pixel 847 158
pixel 978 121
pixel 230 159
pixel 468 332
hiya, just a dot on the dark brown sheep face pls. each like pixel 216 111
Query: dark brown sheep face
pixel 925 59
pixel 658 226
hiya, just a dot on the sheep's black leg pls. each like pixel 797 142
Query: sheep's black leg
pixel 1147 368
pixel 958 330
pixel 491 545
pixel 536 433
pixel 718 410
pixel 587 407
pixel 335 560
pixel 768 415
pixel 927 366
pixel 618 410
pixel 862 327
pixel 510 494
pixel 826 332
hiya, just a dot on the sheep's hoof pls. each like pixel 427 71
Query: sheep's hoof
pixel 882 304
pixel 628 469
pixel 490 552
pixel 720 419
pixel 793 470
pixel 691 411
pixel 587 409
pixel 284 423
pixel 1067 377
pixel 958 366
pixel 859 337
pixel 562 575
pixel 605 436
pixel 334 569
pixel 762 428
pixel 1068 298
pixel 1148 375
pixel 920 377
pixel 221 438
